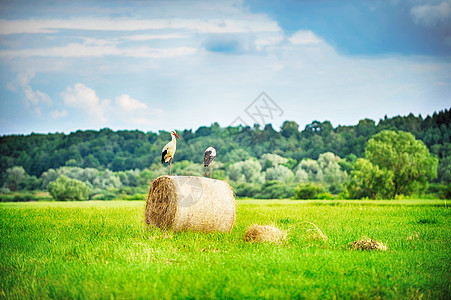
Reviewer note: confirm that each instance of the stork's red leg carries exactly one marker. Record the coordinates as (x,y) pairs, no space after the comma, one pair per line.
(170,166)
(206,171)
(211,169)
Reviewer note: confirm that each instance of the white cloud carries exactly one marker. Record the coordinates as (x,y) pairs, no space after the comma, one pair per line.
(86,99)
(129,104)
(429,14)
(90,50)
(32,97)
(58,114)
(305,37)
(148,37)
(133,113)
(268,40)
(257,24)
(125,110)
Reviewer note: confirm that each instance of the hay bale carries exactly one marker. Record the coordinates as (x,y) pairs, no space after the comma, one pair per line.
(368,244)
(190,203)
(264,233)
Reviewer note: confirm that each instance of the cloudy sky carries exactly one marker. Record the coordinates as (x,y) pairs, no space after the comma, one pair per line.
(162,65)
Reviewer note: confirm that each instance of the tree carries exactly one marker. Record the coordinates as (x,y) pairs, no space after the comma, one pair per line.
(106,180)
(280,173)
(396,163)
(66,189)
(269,160)
(444,170)
(289,128)
(15,176)
(369,181)
(332,173)
(311,167)
(301,175)
(246,171)
(48,176)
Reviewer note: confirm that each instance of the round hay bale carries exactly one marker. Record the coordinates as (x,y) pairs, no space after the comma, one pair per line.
(368,244)
(264,233)
(190,203)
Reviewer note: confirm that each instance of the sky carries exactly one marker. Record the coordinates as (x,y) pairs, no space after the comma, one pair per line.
(164,65)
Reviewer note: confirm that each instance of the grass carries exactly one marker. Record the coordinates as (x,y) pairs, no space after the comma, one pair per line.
(101,249)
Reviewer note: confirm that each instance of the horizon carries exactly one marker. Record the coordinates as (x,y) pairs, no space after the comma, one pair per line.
(224,127)
(159,65)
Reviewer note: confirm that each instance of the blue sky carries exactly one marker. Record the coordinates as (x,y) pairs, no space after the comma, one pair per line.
(163,65)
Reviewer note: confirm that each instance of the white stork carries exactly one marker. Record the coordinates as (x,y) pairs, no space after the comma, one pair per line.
(169,150)
(209,156)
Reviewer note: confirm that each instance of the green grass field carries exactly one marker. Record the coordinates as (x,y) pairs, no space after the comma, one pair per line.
(103,250)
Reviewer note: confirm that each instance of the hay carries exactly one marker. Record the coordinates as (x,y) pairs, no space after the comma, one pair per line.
(264,233)
(414,237)
(316,233)
(190,203)
(368,244)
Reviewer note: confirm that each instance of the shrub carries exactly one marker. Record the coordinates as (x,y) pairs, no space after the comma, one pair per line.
(105,196)
(325,196)
(275,189)
(136,196)
(246,189)
(307,191)
(65,189)
(445,191)
(17,197)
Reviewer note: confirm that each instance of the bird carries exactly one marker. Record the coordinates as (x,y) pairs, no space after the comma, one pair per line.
(169,150)
(209,156)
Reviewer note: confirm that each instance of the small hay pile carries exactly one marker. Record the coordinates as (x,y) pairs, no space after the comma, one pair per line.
(190,203)
(264,233)
(368,244)
(316,233)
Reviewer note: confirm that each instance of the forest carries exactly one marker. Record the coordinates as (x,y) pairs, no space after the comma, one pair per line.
(318,161)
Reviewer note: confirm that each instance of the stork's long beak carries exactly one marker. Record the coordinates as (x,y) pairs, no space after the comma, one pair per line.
(175,133)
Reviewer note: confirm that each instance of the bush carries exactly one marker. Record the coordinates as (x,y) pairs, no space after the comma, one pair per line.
(136,196)
(445,191)
(65,189)
(325,196)
(246,189)
(105,196)
(275,189)
(307,191)
(17,197)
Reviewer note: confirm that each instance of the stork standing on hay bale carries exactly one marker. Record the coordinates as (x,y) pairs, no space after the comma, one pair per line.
(209,156)
(169,150)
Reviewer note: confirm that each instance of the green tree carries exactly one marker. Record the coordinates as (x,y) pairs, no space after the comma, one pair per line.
(332,173)
(311,168)
(396,163)
(66,189)
(16,178)
(289,128)
(246,171)
(369,181)
(280,173)
(444,170)
(270,160)
(106,180)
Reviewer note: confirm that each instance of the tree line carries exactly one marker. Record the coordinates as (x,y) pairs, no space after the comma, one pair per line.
(260,162)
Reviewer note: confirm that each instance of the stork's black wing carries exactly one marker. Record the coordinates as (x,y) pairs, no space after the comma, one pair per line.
(163,154)
(208,158)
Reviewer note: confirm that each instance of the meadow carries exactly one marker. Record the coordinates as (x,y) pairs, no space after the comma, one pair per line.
(102,249)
